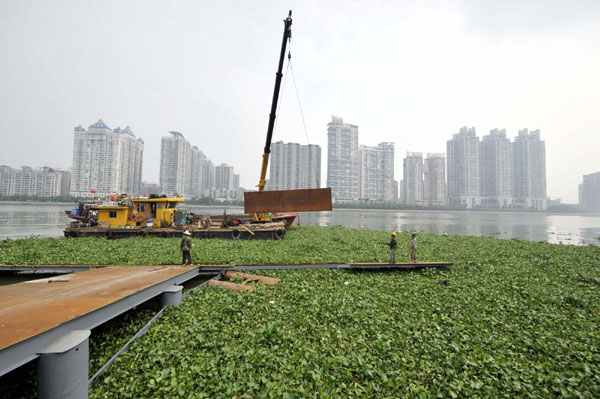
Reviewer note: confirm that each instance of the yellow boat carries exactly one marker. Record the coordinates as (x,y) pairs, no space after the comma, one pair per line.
(123,216)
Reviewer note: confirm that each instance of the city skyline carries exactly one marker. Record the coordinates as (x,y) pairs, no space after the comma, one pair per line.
(43,182)
(207,69)
(492,171)
(498,171)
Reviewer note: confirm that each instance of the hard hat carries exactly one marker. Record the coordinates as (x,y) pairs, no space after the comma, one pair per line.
(187,233)
(394,233)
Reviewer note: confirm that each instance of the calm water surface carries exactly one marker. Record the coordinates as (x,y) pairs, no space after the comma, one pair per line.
(49,220)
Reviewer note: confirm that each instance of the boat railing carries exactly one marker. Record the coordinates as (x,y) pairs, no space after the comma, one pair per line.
(109,203)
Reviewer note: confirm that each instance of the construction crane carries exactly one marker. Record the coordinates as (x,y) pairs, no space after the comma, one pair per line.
(262,203)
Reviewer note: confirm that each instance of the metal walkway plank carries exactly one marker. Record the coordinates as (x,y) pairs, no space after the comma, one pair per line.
(34,314)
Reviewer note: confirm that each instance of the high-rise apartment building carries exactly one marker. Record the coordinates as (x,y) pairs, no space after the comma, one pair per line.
(462,153)
(368,173)
(412,178)
(45,182)
(529,168)
(224,177)
(201,179)
(376,173)
(496,169)
(294,166)
(342,160)
(175,165)
(184,169)
(209,178)
(589,193)
(226,183)
(387,187)
(236,181)
(434,180)
(106,161)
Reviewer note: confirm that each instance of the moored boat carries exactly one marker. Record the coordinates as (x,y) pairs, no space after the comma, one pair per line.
(158,216)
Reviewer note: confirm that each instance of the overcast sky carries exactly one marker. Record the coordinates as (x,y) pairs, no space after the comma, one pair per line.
(408,72)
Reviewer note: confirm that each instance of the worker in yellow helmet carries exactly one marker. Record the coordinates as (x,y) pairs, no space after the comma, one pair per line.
(392,244)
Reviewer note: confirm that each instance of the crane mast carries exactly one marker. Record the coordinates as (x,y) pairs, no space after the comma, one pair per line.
(262,203)
(287,35)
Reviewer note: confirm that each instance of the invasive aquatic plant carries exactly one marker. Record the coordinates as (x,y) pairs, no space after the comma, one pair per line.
(510,319)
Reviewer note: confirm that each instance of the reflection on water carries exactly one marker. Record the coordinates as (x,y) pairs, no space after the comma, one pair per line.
(24,220)
(568,229)
(49,220)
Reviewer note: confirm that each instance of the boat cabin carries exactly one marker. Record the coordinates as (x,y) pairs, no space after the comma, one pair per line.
(138,212)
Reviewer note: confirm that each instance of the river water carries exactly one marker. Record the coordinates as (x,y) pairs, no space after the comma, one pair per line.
(49,220)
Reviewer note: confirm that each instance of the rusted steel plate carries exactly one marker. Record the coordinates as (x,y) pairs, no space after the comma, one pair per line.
(33,307)
(313,199)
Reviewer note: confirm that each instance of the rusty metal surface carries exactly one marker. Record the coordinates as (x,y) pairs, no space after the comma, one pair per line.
(314,199)
(33,307)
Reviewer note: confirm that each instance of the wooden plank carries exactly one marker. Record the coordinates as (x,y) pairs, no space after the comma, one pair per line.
(252,277)
(231,286)
(33,307)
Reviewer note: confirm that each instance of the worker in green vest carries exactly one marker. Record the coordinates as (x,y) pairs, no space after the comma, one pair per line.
(186,248)
(392,244)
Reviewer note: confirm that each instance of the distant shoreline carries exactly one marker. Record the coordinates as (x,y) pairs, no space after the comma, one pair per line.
(471,211)
(35,203)
(73,204)
(344,208)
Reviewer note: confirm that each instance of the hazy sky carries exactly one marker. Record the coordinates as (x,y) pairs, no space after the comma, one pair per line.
(408,72)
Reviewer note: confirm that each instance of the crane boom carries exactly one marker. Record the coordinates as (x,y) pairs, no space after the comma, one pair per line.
(262,203)
(287,35)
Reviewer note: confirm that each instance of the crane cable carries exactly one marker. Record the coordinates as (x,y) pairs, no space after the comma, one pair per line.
(317,180)
(290,67)
(298,97)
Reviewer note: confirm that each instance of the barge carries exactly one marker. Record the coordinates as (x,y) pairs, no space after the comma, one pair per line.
(158,216)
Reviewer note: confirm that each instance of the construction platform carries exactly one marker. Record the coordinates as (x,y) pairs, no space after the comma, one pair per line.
(34,314)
